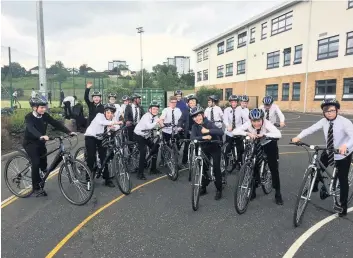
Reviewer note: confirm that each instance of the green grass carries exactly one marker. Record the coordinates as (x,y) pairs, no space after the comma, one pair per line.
(24,104)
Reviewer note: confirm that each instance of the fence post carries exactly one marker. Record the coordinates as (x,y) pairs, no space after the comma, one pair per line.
(10,73)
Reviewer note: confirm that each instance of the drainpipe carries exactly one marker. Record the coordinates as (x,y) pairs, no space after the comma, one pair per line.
(307,57)
(247,59)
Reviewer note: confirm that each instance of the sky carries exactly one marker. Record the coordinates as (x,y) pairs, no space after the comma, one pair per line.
(93,33)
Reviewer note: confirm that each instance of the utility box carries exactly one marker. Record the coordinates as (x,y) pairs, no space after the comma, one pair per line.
(148,95)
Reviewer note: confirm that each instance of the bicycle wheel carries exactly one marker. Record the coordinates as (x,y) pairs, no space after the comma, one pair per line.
(266,179)
(223,169)
(350,185)
(191,159)
(81,154)
(243,188)
(122,175)
(169,158)
(196,184)
(303,196)
(18,175)
(227,157)
(80,181)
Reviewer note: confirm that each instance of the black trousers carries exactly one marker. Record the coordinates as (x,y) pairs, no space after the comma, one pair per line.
(67,109)
(143,144)
(214,151)
(92,145)
(186,148)
(35,152)
(49,99)
(238,143)
(342,166)
(130,132)
(271,150)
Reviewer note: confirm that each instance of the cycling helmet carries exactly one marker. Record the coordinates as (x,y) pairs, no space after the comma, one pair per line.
(330,102)
(256,114)
(233,98)
(244,98)
(178,92)
(125,97)
(267,100)
(112,95)
(96,93)
(110,107)
(154,104)
(196,110)
(135,96)
(37,101)
(214,98)
(190,97)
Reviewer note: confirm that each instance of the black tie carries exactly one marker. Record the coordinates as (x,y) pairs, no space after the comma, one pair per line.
(105,136)
(268,114)
(173,118)
(259,150)
(212,117)
(135,119)
(233,122)
(330,144)
(151,135)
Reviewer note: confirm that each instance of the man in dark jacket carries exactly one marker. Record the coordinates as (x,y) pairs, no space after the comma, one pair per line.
(203,129)
(133,114)
(94,106)
(180,102)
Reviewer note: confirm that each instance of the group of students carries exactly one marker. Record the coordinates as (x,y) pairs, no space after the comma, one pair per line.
(195,123)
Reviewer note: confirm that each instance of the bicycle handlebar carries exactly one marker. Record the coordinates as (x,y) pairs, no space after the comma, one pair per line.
(153,129)
(60,137)
(315,147)
(207,141)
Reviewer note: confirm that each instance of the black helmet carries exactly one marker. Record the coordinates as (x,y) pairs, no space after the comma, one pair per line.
(244,98)
(267,100)
(135,96)
(233,98)
(110,107)
(178,92)
(190,97)
(256,114)
(125,97)
(37,101)
(112,95)
(154,104)
(214,98)
(196,110)
(96,93)
(330,102)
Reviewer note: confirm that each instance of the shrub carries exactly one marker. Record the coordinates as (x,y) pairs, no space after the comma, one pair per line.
(17,121)
(5,133)
(203,93)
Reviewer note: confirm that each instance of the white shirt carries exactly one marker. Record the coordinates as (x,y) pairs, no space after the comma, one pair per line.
(274,112)
(228,119)
(167,117)
(71,99)
(267,129)
(14,94)
(217,115)
(33,94)
(243,116)
(122,109)
(145,124)
(117,112)
(133,113)
(98,123)
(342,133)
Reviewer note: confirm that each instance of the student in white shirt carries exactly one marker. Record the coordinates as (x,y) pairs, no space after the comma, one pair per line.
(341,129)
(69,102)
(100,124)
(243,110)
(272,111)
(213,112)
(148,121)
(15,99)
(112,100)
(170,115)
(33,94)
(126,101)
(259,127)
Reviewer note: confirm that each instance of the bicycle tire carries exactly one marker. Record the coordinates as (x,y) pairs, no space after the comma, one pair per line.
(227,160)
(246,172)
(120,170)
(307,178)
(25,192)
(191,158)
(195,186)
(350,185)
(79,152)
(266,185)
(88,173)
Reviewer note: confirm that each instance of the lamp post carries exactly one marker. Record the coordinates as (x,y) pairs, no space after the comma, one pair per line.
(140,31)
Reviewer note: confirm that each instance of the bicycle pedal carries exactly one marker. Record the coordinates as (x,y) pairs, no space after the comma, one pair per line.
(337,208)
(323,193)
(41,193)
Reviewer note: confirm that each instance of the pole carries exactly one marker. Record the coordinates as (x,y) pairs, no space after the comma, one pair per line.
(140,31)
(10,79)
(73,80)
(307,59)
(41,50)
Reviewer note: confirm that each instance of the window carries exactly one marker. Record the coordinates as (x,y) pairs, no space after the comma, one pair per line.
(199,76)
(282,23)
(252,35)
(350,4)
(296,91)
(241,67)
(220,71)
(205,54)
(349,47)
(286,56)
(230,44)
(298,54)
(205,75)
(229,69)
(347,89)
(273,60)
(325,89)
(220,48)
(199,56)
(285,91)
(328,48)
(242,39)
(229,92)
(220,94)
(264,30)
(272,90)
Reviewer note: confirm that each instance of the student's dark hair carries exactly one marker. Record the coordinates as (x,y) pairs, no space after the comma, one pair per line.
(75,97)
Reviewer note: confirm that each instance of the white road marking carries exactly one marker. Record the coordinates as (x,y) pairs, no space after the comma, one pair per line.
(300,241)
(295,118)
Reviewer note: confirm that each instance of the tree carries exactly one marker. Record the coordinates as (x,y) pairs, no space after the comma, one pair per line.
(188,79)
(147,79)
(83,69)
(17,70)
(116,70)
(203,93)
(166,77)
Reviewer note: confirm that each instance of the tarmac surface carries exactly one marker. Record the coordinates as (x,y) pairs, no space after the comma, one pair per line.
(157,220)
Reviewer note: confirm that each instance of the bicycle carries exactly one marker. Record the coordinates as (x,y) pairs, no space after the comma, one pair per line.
(328,189)
(231,156)
(199,159)
(246,178)
(74,170)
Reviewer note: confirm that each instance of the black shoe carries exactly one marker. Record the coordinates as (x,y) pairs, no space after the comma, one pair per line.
(203,191)
(218,195)
(40,192)
(343,213)
(253,194)
(141,177)
(109,183)
(155,171)
(278,199)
